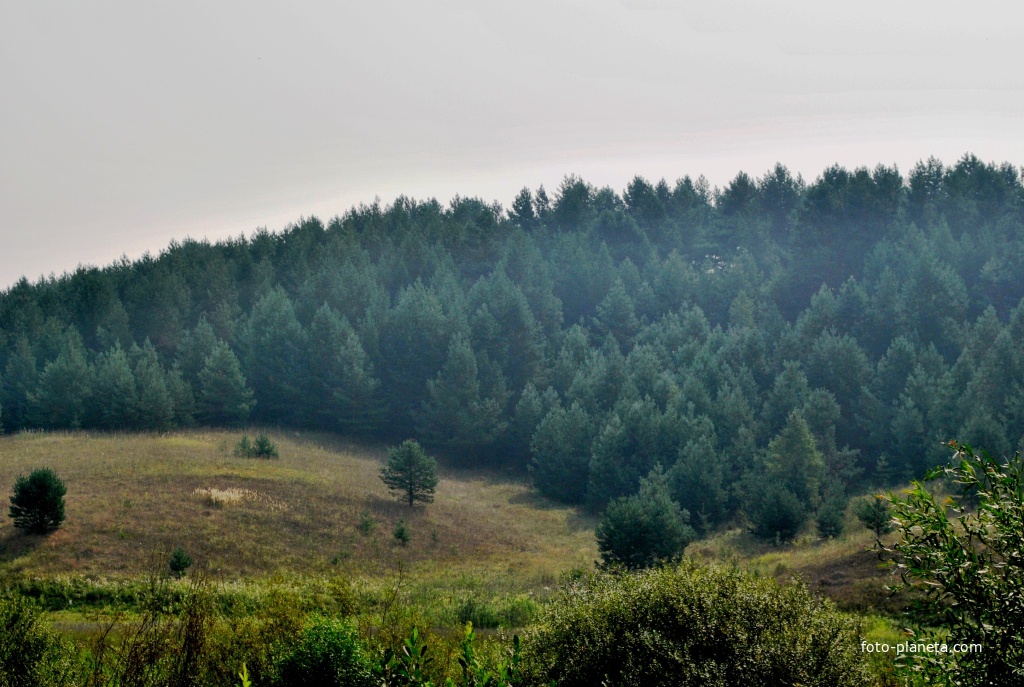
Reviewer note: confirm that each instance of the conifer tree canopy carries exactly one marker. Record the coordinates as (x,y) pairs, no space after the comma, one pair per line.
(37,505)
(410,474)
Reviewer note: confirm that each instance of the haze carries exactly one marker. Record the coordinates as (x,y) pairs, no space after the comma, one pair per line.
(127,124)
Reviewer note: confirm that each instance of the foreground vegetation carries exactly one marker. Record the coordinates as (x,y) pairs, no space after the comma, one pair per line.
(501,558)
(672,626)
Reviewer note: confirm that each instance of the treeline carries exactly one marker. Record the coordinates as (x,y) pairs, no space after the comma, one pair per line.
(770,340)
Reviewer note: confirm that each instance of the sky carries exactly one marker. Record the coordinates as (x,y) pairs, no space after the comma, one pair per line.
(124,125)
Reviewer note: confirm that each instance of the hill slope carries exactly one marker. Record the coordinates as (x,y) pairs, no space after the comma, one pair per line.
(133,498)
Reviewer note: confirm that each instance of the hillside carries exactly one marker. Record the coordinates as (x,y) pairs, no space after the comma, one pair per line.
(133,498)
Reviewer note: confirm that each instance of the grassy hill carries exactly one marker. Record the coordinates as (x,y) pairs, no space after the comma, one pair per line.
(132,498)
(320,511)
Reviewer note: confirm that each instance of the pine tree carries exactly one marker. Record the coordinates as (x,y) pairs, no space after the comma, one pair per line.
(274,344)
(638,531)
(155,405)
(796,463)
(410,474)
(697,482)
(114,396)
(19,384)
(455,412)
(345,390)
(561,454)
(224,397)
(37,505)
(64,390)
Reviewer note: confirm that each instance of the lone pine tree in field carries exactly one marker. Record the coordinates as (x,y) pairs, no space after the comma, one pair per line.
(38,502)
(410,473)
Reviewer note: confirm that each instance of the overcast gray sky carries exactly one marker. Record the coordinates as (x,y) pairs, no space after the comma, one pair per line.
(125,124)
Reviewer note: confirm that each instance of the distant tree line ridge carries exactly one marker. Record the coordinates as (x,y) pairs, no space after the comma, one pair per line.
(768,342)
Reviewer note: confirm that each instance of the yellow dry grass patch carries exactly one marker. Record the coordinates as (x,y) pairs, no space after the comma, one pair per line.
(132,498)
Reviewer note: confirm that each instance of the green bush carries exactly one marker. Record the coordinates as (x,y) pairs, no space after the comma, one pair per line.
(37,505)
(31,654)
(328,654)
(965,553)
(262,447)
(690,625)
(179,562)
(401,532)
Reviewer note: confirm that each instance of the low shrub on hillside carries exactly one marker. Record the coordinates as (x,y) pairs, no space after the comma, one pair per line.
(690,625)
(262,447)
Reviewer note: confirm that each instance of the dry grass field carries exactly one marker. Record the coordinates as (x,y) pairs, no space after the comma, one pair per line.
(318,509)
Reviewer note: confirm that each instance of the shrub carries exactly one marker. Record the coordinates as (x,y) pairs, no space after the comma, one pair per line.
(31,654)
(244,448)
(401,532)
(37,505)
(873,512)
(690,625)
(328,653)
(965,553)
(179,562)
(831,515)
(263,447)
(366,523)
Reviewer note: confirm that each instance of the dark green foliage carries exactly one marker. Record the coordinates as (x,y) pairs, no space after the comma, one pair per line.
(410,474)
(456,411)
(37,505)
(873,512)
(275,345)
(31,654)
(776,513)
(831,515)
(179,562)
(345,390)
(691,625)
(328,653)
(262,447)
(636,437)
(640,530)
(244,448)
(401,532)
(224,398)
(64,390)
(796,463)
(561,454)
(964,552)
(697,483)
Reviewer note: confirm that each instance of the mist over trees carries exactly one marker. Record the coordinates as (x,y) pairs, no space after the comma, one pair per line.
(771,342)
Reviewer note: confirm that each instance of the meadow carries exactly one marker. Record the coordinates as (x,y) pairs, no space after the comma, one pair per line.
(312,531)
